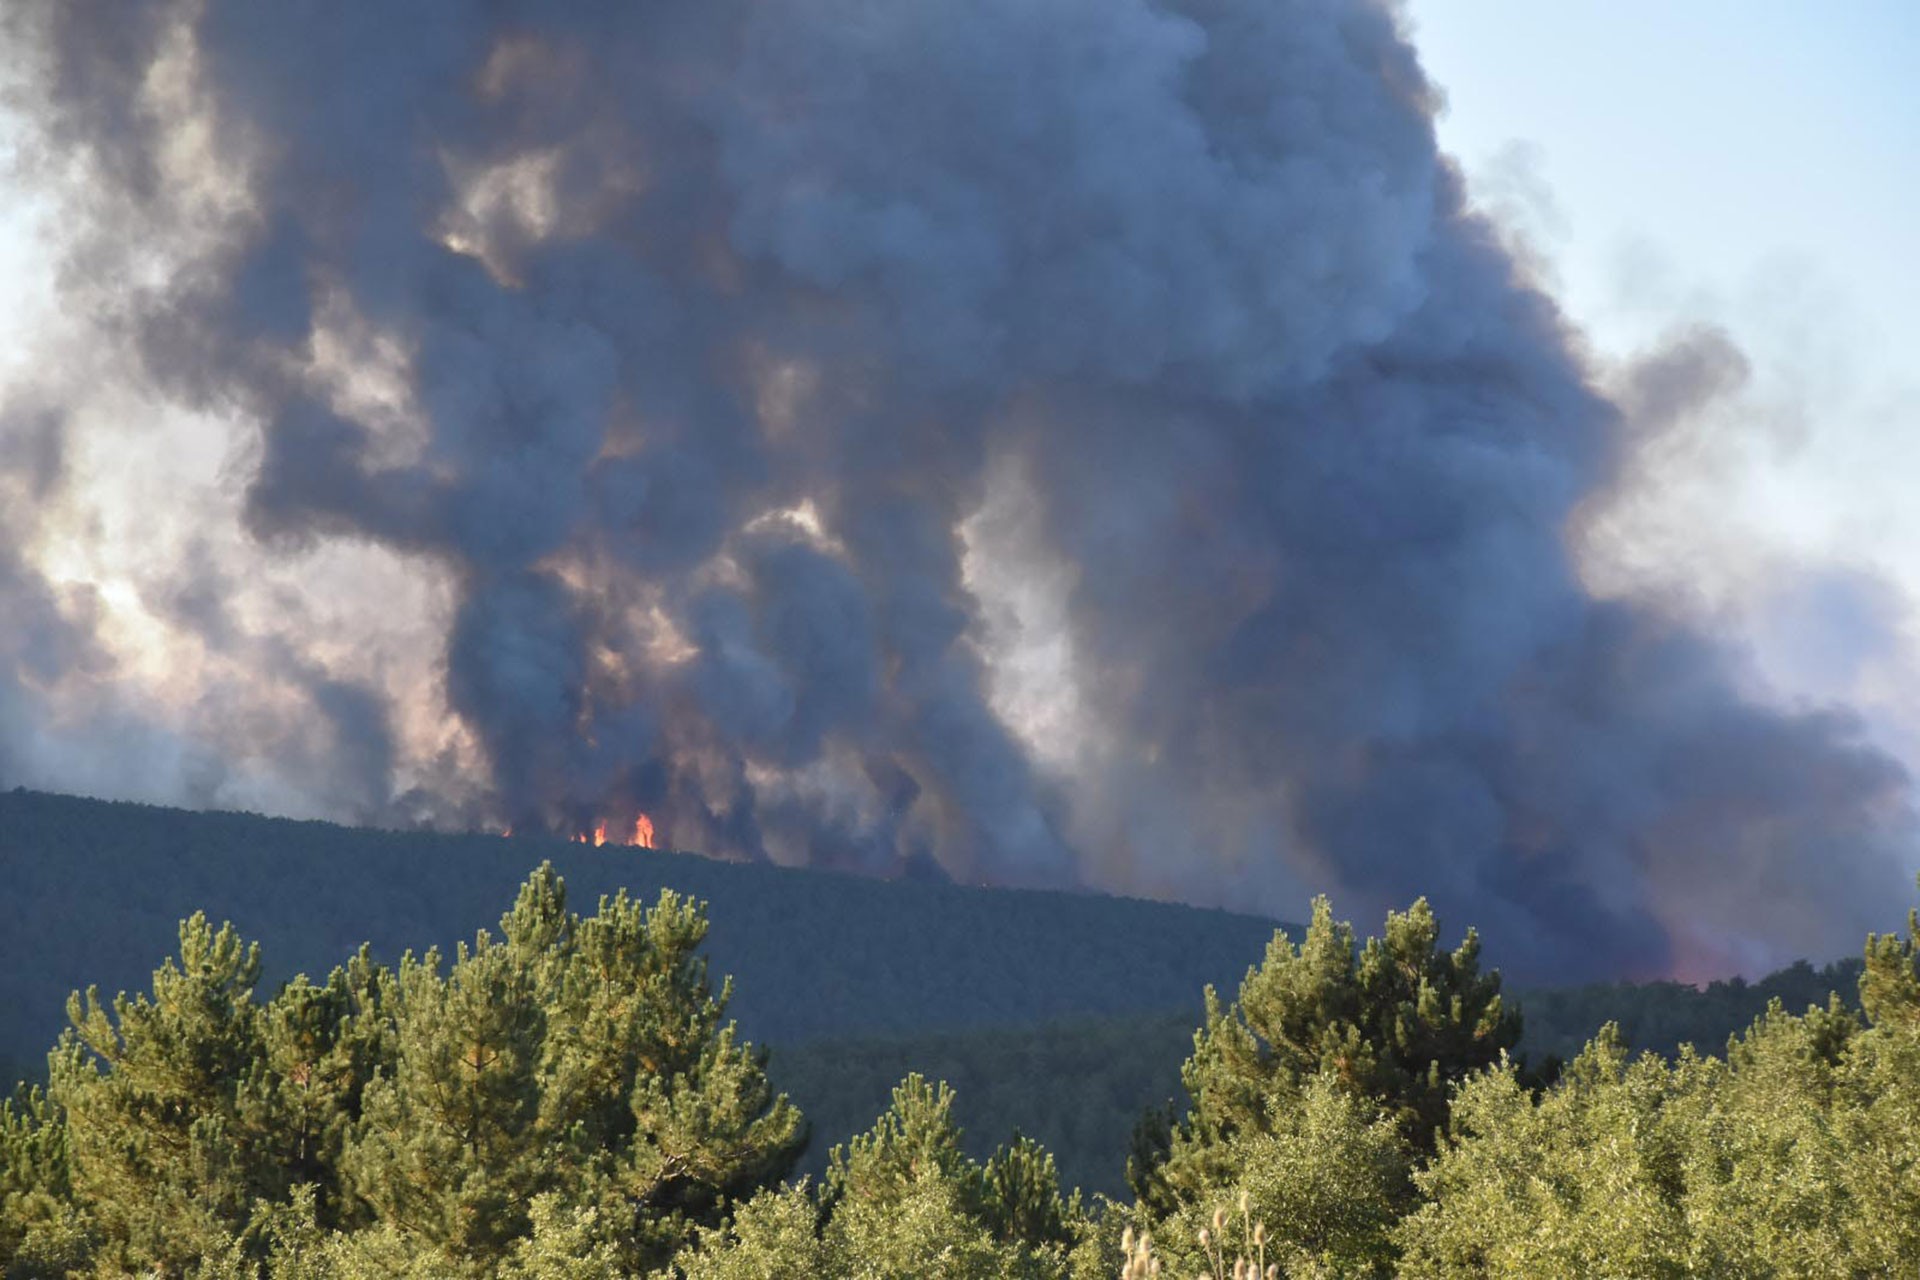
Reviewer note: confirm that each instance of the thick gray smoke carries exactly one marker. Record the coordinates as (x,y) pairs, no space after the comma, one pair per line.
(1078,442)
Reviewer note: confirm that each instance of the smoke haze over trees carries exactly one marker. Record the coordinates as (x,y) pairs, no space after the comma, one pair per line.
(1088,445)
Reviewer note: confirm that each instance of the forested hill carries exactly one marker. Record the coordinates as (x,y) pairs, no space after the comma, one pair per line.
(94,892)
(1061,1015)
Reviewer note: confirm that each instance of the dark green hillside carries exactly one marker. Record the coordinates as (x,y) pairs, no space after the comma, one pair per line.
(1058,1014)
(1077,1087)
(1661,1016)
(94,892)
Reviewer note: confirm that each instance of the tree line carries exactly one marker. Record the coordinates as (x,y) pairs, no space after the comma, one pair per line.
(565,1099)
(815,955)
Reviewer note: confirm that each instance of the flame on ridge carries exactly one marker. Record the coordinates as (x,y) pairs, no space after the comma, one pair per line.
(642,837)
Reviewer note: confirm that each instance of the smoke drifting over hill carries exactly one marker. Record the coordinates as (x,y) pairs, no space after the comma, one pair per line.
(1087,442)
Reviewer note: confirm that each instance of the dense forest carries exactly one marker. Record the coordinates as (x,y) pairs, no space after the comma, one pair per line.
(566,1096)
(1076,1086)
(1063,1016)
(815,955)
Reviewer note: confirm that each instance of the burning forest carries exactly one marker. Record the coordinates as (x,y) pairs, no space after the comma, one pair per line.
(1093,445)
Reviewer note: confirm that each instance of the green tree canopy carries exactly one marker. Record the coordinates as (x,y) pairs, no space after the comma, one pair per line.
(570,1080)
(586,1060)
(903,1201)
(1792,1156)
(1396,1024)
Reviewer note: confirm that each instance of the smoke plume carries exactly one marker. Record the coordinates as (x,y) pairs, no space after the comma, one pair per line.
(1082,443)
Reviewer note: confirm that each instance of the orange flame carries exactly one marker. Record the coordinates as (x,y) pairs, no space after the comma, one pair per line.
(642,834)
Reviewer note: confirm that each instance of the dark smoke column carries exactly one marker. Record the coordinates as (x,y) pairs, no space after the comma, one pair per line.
(750,355)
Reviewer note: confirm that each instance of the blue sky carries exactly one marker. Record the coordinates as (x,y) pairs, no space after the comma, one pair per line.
(1694,151)
(1754,166)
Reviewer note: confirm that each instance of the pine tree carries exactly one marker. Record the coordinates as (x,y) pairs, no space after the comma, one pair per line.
(169,1110)
(904,1201)
(41,1232)
(1398,1021)
(1879,1127)
(700,1124)
(1020,1196)
(1890,983)
(584,1061)
(448,1150)
(914,1138)
(1326,1042)
(568,1092)
(323,1045)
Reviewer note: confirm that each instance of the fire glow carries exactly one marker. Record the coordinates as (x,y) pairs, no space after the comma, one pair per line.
(642,837)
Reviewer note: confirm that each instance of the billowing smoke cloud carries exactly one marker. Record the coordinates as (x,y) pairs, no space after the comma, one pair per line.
(1083,443)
